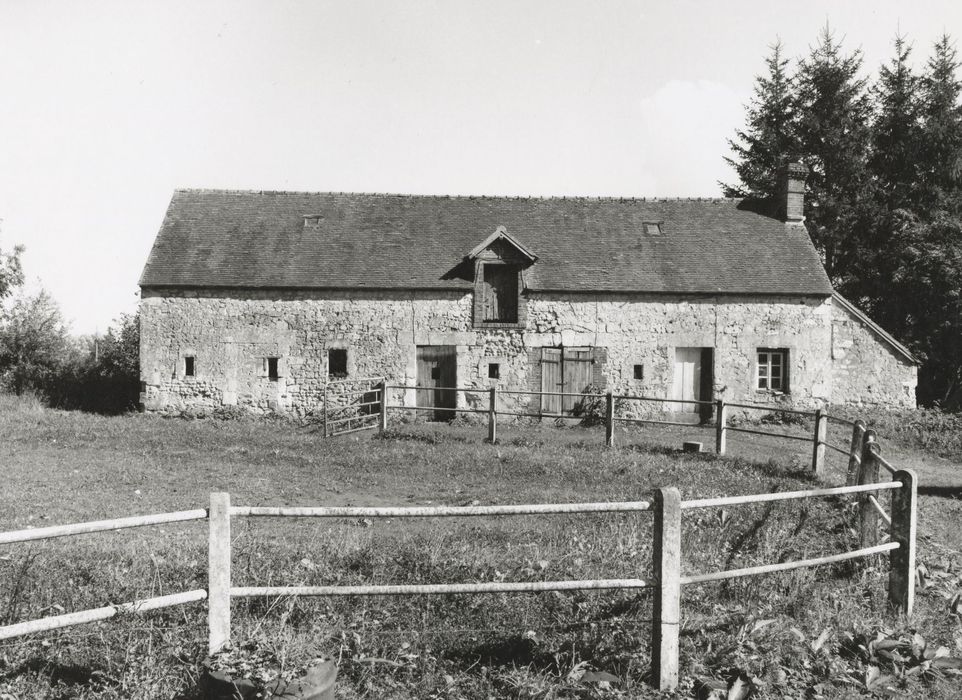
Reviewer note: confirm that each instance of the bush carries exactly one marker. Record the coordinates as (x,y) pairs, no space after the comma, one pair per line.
(100,375)
(592,409)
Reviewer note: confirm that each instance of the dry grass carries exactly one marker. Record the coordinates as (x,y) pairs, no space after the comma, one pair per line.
(65,467)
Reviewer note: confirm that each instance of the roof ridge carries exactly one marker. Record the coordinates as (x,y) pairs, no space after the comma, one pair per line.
(547,198)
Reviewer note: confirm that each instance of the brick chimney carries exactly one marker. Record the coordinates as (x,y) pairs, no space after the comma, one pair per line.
(792,200)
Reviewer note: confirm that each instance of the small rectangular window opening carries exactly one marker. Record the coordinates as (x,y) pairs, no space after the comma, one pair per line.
(652,228)
(189,366)
(494,370)
(639,371)
(272,369)
(337,363)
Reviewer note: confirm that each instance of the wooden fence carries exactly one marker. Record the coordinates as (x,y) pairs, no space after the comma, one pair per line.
(665,582)
(721,409)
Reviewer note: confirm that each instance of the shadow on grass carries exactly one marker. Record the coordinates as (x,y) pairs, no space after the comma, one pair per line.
(515,650)
(954,492)
(58,673)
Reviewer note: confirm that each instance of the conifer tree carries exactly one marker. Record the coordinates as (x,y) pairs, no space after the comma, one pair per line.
(833,114)
(941,132)
(895,131)
(768,138)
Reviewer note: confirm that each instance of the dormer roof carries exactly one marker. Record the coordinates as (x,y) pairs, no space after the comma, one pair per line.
(501,234)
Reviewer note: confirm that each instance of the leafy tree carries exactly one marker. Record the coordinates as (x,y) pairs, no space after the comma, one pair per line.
(768,139)
(11,272)
(33,342)
(119,352)
(833,113)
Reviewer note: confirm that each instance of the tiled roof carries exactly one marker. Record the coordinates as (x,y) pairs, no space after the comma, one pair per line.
(212,238)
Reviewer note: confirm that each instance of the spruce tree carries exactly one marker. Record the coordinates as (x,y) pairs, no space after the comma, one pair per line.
(767,140)
(833,114)
(895,131)
(941,132)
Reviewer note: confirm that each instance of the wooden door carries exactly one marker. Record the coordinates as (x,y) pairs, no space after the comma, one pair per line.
(551,379)
(567,371)
(576,371)
(687,379)
(437,371)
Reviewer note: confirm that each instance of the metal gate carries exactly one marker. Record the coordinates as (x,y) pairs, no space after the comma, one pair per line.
(351,405)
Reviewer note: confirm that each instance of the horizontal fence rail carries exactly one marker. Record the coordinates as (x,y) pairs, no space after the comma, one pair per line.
(54,622)
(751,431)
(786,495)
(654,399)
(436,511)
(441,588)
(354,380)
(46,533)
(773,409)
(789,565)
(462,389)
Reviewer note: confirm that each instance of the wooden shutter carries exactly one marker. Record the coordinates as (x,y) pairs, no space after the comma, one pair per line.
(500,291)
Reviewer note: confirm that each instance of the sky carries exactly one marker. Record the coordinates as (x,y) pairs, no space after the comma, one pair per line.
(107,107)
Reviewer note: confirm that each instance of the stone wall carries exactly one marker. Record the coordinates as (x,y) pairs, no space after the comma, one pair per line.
(231,333)
(868,371)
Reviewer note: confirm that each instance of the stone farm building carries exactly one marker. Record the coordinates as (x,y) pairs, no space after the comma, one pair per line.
(257,299)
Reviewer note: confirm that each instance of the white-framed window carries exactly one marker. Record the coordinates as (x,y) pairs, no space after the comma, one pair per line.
(772,371)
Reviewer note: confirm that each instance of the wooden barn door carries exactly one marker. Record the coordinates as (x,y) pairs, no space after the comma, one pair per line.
(576,368)
(437,370)
(565,370)
(551,379)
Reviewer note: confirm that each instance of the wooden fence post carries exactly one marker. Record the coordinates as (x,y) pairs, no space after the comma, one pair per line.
(609,420)
(721,427)
(855,452)
(902,560)
(493,415)
(218,573)
(868,474)
(666,568)
(382,423)
(818,442)
(324,414)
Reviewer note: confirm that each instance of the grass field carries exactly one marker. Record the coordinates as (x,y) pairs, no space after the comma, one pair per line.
(796,634)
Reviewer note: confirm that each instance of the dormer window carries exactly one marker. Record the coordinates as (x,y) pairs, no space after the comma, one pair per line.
(652,228)
(500,293)
(498,263)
